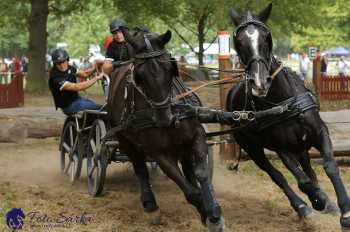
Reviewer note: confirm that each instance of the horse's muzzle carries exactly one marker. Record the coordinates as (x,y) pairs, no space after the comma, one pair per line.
(260,88)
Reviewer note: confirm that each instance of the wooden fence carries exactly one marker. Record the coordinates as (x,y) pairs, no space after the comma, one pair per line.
(329,87)
(334,88)
(11,89)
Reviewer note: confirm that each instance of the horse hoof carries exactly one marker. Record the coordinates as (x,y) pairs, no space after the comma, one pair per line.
(154,217)
(304,212)
(345,221)
(218,226)
(331,208)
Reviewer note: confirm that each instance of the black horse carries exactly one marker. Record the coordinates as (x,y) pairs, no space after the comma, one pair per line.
(290,134)
(142,102)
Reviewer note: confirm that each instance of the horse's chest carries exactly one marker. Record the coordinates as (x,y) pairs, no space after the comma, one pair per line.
(289,136)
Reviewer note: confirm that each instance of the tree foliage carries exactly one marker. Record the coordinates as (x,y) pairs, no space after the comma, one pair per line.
(332,30)
(295,24)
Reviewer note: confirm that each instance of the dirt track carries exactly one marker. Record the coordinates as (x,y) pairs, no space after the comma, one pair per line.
(30,179)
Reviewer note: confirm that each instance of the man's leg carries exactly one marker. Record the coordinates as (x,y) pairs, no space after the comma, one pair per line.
(87,104)
(81,104)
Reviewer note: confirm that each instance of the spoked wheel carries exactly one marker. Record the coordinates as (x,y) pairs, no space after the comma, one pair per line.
(71,159)
(97,160)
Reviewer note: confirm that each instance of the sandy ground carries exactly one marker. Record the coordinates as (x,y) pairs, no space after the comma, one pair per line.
(30,179)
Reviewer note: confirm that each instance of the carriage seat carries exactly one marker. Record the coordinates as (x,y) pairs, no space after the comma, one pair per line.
(96,112)
(81,114)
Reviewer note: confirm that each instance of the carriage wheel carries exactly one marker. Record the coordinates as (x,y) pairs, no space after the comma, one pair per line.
(210,162)
(71,159)
(96,159)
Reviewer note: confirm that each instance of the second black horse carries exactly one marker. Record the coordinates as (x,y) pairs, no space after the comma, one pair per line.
(290,134)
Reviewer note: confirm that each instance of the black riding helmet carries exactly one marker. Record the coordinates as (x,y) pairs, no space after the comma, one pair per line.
(117,25)
(59,55)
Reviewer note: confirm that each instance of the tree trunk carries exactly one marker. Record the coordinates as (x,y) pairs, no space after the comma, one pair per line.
(200,30)
(37,79)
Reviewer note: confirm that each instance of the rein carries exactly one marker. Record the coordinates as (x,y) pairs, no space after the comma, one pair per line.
(222,81)
(277,71)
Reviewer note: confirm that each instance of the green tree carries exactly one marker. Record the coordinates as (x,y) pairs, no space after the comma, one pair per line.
(79,30)
(196,22)
(13,30)
(34,14)
(332,30)
(190,20)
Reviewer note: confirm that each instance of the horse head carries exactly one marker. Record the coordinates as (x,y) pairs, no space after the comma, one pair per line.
(153,71)
(253,43)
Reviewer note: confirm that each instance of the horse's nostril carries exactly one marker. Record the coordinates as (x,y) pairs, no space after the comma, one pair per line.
(269,79)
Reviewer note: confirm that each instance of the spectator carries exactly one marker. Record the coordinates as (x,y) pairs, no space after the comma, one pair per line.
(3,70)
(182,60)
(24,63)
(342,66)
(324,64)
(12,65)
(304,66)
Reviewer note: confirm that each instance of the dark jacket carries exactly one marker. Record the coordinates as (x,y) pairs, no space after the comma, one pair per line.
(120,51)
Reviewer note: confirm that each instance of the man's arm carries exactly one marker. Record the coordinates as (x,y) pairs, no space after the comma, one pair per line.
(69,86)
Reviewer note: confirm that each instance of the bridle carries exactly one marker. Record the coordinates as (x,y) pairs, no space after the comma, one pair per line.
(255,58)
(152,54)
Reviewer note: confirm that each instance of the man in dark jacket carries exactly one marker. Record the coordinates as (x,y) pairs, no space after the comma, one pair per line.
(118,50)
(64,87)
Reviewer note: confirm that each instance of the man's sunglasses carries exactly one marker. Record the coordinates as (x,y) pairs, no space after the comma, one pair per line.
(61,62)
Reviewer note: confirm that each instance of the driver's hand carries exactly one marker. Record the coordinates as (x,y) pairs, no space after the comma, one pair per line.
(99,61)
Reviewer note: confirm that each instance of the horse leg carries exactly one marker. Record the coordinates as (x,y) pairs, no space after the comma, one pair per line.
(321,201)
(259,158)
(215,221)
(318,198)
(147,197)
(172,170)
(187,169)
(324,145)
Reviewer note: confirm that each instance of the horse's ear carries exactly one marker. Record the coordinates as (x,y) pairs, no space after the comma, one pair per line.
(236,19)
(165,38)
(265,14)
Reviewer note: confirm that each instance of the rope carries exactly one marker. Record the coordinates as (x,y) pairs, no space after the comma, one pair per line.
(277,71)
(222,81)
(191,77)
(216,69)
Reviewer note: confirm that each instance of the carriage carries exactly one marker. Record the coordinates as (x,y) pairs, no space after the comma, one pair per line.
(84,136)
